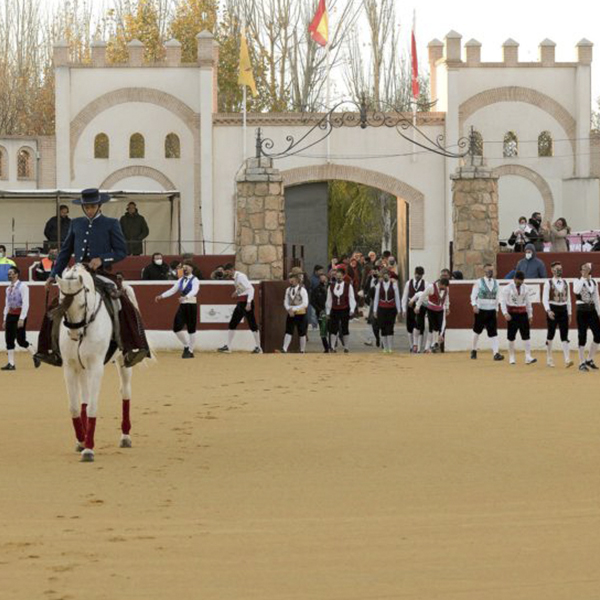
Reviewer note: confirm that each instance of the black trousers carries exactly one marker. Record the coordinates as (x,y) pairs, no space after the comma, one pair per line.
(415,321)
(240,313)
(186,317)
(486,319)
(299,322)
(519,322)
(561,320)
(338,322)
(13,333)
(436,320)
(386,318)
(588,319)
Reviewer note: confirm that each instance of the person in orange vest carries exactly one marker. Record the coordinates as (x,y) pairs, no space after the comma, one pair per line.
(44,267)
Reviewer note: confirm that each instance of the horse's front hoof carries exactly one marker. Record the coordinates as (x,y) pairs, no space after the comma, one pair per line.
(79,447)
(125,441)
(87,455)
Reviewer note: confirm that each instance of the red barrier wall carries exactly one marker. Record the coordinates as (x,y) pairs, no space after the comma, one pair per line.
(571,261)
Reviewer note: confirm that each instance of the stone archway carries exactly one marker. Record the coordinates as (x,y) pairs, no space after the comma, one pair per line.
(540,183)
(381,181)
(138,171)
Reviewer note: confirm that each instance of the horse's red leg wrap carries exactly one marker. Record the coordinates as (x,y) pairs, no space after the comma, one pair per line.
(125,423)
(84,417)
(79,430)
(89,434)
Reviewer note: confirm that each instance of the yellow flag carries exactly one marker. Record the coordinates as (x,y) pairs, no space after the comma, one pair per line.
(246,76)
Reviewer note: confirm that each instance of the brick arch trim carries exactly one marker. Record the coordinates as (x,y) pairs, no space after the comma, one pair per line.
(537,180)
(386,183)
(520,94)
(137,171)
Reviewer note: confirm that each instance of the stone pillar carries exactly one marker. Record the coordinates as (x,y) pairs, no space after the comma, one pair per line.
(260,224)
(475,217)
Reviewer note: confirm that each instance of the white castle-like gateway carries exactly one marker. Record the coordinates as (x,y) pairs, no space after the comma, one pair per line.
(155,127)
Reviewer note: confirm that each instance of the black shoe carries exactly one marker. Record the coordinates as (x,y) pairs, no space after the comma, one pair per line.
(346,351)
(225,349)
(473,354)
(257,350)
(592,365)
(583,367)
(187,353)
(498,356)
(36,361)
(9,367)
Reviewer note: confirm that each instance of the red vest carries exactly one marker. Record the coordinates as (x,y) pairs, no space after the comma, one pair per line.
(387,299)
(437,299)
(340,302)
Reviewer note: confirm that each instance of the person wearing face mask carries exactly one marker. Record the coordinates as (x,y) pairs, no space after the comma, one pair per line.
(520,236)
(415,324)
(186,317)
(436,300)
(518,312)
(341,303)
(386,307)
(556,298)
(5,264)
(557,234)
(295,303)
(536,235)
(531,265)
(587,303)
(14,320)
(484,300)
(157,270)
(44,267)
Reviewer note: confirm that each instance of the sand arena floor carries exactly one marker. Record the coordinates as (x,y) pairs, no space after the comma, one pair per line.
(358,477)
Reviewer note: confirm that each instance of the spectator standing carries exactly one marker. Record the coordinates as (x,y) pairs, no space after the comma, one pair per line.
(51,228)
(531,265)
(313,318)
(520,236)
(536,236)
(557,234)
(135,229)
(157,270)
(5,264)
(44,267)
(318,301)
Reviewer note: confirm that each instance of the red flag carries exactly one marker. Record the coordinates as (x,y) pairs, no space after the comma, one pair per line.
(415,63)
(319,30)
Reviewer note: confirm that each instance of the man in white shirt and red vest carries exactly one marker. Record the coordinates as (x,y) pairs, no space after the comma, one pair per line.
(386,307)
(295,303)
(415,324)
(14,320)
(518,312)
(556,298)
(436,300)
(587,303)
(341,303)
(244,309)
(484,300)
(186,317)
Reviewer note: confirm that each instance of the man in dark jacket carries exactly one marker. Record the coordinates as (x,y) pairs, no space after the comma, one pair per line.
(51,228)
(531,265)
(318,300)
(536,237)
(135,229)
(157,270)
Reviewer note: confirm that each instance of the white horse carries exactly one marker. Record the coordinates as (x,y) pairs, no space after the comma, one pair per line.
(85,335)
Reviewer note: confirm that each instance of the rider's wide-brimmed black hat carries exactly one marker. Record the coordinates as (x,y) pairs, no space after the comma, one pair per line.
(91,196)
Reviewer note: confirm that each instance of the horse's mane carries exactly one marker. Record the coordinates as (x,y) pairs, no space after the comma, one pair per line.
(65,303)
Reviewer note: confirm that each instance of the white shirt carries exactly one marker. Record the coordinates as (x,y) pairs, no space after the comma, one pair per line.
(583,285)
(484,303)
(518,298)
(338,290)
(429,291)
(558,284)
(243,287)
(405,298)
(290,295)
(24,290)
(180,285)
(386,287)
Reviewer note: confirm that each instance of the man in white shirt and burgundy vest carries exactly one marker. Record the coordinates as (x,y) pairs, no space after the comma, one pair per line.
(186,317)
(484,300)
(556,298)
(587,303)
(415,324)
(295,303)
(14,320)
(386,307)
(341,303)
(518,312)
(436,300)
(244,309)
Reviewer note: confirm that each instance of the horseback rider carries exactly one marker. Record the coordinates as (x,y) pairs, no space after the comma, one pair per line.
(98,242)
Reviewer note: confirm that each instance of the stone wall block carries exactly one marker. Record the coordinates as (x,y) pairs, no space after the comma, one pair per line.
(257,221)
(246,236)
(262,237)
(271,220)
(262,189)
(275,189)
(249,254)
(255,204)
(260,272)
(267,254)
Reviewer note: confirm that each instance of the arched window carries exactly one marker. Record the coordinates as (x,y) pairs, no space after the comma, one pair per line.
(24,164)
(137,146)
(511,145)
(172,146)
(545,144)
(101,146)
(477,143)
(3,163)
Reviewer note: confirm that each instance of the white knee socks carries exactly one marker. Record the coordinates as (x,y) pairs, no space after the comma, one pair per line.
(511,351)
(566,353)
(302,343)
(549,351)
(475,340)
(527,344)
(230,335)
(287,340)
(581,351)
(495,345)
(192,341)
(183,338)
(256,335)
(11,357)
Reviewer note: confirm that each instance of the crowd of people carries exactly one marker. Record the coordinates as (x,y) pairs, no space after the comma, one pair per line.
(534,232)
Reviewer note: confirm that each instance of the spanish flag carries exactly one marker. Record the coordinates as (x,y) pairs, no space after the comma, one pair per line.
(246,76)
(318,28)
